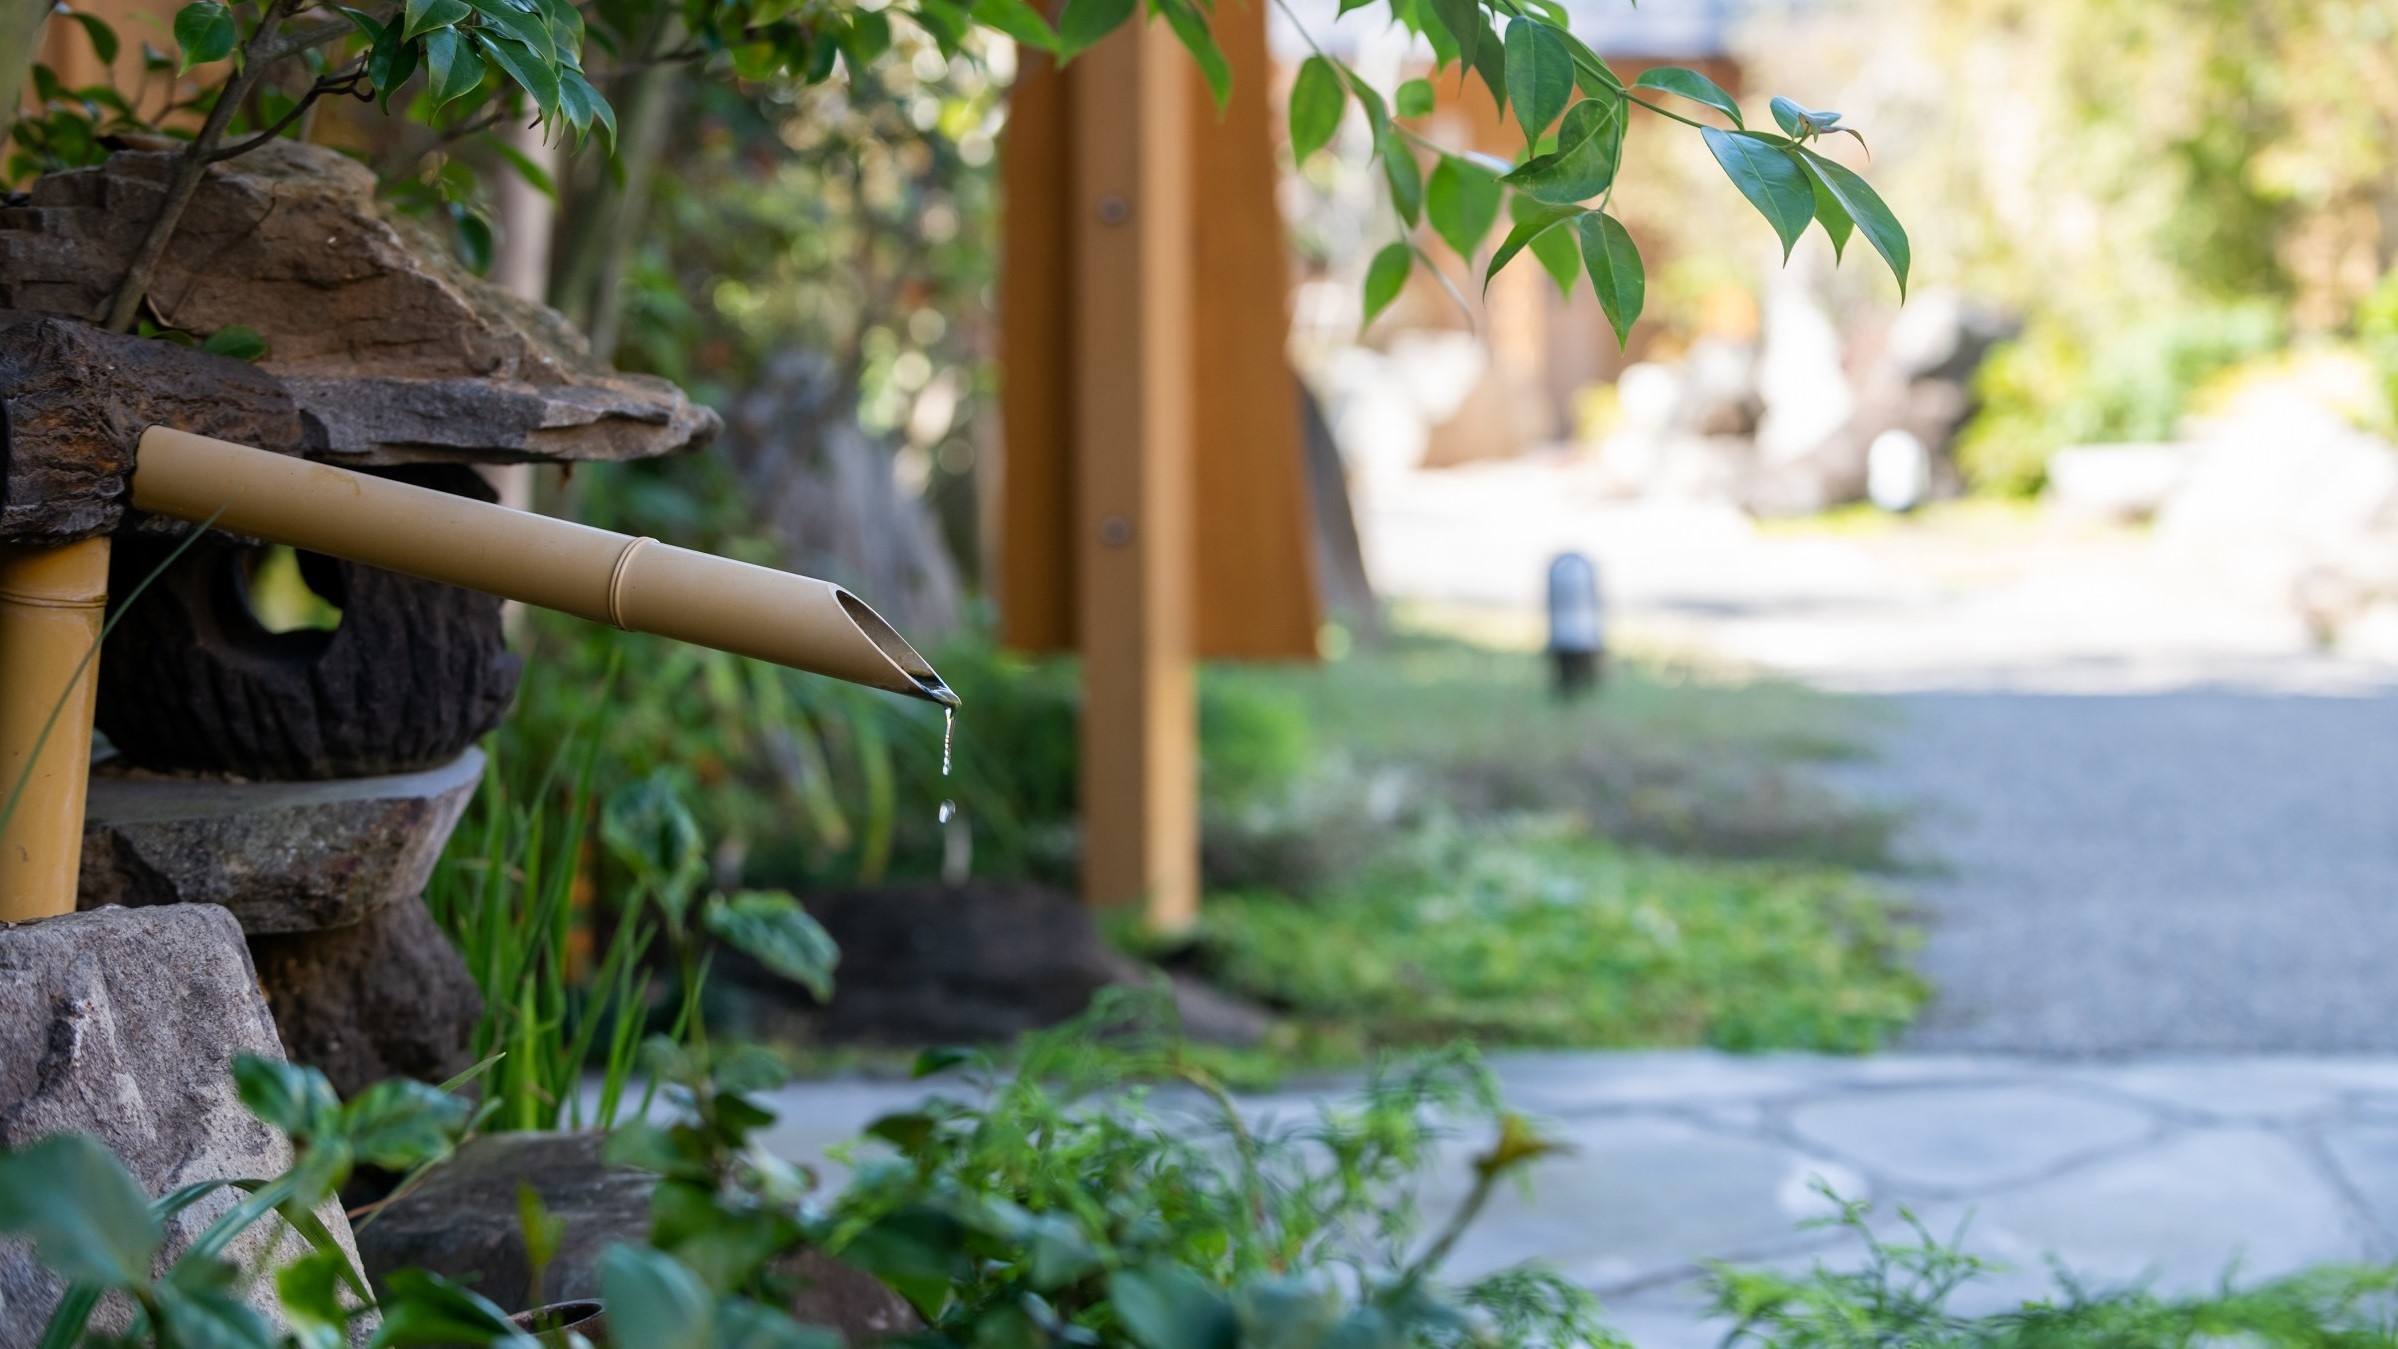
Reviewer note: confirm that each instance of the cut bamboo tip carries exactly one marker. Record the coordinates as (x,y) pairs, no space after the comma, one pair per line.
(637,584)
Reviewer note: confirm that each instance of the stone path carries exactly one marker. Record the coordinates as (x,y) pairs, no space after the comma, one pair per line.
(2164,1170)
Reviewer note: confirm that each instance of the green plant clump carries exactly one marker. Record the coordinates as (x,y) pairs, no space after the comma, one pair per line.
(1904,1293)
(1052,1207)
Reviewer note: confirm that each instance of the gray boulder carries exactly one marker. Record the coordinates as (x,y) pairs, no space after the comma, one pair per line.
(123,1024)
(385,997)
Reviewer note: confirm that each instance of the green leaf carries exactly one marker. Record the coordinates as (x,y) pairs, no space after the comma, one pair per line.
(917,1250)
(1318,97)
(1540,76)
(1771,180)
(1190,25)
(400,1123)
(1413,99)
(103,38)
(1462,201)
(204,31)
(75,1201)
(1691,85)
(1490,62)
(1087,21)
(1560,258)
(1615,271)
(743,1324)
(310,1290)
(237,341)
(1018,20)
(1832,216)
(1406,177)
(653,1301)
(532,74)
(1533,220)
(1865,207)
(1463,19)
(941,1058)
(1385,276)
(1167,1306)
(582,105)
(389,65)
(290,1097)
(424,15)
(421,1308)
(646,826)
(1584,162)
(773,929)
(454,70)
(474,238)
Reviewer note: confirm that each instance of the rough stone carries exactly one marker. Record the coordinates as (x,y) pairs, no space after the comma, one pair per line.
(123,1024)
(381,349)
(283,856)
(977,963)
(463,1222)
(78,400)
(388,996)
(191,682)
(1947,1140)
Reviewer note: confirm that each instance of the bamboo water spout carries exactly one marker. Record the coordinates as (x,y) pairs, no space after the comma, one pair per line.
(637,584)
(51,602)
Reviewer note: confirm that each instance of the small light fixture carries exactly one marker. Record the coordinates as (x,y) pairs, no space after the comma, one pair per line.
(1577,625)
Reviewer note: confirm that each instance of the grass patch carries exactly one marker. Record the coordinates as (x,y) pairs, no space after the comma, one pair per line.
(1534,934)
(1670,756)
(1465,857)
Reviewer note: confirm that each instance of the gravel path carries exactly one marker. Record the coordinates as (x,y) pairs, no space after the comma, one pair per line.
(2163,821)
(2185,871)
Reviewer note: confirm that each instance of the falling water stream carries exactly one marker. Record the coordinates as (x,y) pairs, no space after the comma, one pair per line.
(949,728)
(957,838)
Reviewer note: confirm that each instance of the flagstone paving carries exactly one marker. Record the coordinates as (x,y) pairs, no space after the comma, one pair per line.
(2168,1170)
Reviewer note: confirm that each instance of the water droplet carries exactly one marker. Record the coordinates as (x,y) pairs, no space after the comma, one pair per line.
(949,811)
(949,726)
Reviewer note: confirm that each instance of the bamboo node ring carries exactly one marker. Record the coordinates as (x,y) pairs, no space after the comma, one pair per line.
(616,575)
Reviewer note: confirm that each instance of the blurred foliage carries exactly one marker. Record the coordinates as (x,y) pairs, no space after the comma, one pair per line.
(856,219)
(2126,175)
(2053,388)
(2377,333)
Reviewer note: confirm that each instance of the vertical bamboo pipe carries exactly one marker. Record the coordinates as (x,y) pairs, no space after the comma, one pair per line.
(52,603)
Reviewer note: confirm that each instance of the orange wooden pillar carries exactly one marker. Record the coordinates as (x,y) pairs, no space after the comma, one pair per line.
(1153,506)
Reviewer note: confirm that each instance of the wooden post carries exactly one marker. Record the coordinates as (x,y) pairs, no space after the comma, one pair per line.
(1132,404)
(1142,526)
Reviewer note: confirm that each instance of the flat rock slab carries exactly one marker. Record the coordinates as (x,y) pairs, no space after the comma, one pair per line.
(464,1222)
(123,1024)
(1968,1138)
(282,856)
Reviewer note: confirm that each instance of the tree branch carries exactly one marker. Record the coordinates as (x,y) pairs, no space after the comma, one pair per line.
(331,84)
(255,59)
